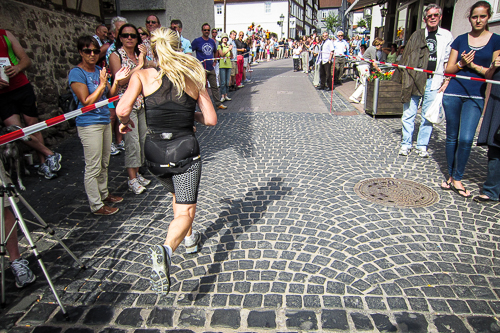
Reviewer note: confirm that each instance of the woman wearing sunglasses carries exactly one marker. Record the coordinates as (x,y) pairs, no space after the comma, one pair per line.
(171,92)
(144,33)
(131,53)
(89,84)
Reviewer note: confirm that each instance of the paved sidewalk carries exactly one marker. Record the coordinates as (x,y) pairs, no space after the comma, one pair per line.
(287,243)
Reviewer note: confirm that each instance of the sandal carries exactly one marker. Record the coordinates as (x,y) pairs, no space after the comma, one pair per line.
(460,191)
(482,199)
(446,188)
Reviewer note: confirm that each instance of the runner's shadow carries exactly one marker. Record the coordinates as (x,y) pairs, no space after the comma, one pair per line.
(234,241)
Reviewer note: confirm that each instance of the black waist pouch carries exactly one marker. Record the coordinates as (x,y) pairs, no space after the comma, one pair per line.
(170,156)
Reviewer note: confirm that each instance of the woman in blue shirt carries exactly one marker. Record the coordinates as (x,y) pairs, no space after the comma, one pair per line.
(463,100)
(89,85)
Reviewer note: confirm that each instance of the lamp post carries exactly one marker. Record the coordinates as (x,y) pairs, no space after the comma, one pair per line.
(280,23)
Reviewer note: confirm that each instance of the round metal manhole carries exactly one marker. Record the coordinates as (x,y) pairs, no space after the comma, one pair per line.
(396,192)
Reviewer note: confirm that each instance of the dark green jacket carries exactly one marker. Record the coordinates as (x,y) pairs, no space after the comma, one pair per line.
(416,54)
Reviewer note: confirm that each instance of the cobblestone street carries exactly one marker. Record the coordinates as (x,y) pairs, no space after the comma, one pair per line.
(287,245)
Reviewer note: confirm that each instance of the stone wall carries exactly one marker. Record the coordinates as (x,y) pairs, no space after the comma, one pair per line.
(49,38)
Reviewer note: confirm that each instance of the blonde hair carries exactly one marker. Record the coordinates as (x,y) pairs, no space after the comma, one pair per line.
(173,63)
(378,41)
(144,30)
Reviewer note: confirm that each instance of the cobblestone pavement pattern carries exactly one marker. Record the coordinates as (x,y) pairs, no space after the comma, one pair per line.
(287,244)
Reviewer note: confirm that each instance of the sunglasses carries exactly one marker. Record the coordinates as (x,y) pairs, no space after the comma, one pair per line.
(90,51)
(206,29)
(143,34)
(433,15)
(151,22)
(133,36)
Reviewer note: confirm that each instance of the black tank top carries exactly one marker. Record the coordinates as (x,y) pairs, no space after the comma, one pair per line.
(165,112)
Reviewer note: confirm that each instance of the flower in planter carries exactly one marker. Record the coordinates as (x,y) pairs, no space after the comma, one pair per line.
(385,76)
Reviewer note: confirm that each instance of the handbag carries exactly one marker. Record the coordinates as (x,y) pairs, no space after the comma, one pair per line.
(435,112)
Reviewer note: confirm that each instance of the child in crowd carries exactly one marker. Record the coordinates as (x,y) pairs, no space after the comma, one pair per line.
(296,57)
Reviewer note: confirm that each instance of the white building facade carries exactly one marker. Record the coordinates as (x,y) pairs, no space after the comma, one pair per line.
(241,15)
(298,16)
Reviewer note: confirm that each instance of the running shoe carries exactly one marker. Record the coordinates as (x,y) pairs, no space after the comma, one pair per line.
(160,269)
(53,161)
(114,150)
(121,145)
(22,272)
(143,181)
(44,170)
(228,99)
(192,242)
(135,186)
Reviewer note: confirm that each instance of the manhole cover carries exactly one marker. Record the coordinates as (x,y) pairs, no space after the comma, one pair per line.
(396,192)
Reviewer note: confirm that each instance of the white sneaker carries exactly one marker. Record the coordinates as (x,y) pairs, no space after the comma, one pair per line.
(222,100)
(228,99)
(143,181)
(404,151)
(114,150)
(354,100)
(135,186)
(192,242)
(422,153)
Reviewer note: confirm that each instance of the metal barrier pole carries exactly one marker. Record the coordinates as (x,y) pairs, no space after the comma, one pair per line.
(375,97)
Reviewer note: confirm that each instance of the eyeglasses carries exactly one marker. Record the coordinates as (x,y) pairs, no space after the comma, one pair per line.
(151,22)
(133,36)
(206,29)
(90,51)
(433,15)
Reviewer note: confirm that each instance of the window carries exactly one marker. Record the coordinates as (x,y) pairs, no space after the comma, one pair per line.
(496,10)
(267,6)
(219,9)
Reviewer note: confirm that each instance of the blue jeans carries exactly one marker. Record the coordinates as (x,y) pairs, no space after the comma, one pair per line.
(408,119)
(491,186)
(224,76)
(462,116)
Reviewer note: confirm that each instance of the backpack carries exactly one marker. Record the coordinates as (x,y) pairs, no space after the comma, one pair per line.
(66,101)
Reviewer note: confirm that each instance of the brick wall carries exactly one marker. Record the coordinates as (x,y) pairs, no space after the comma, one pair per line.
(48,35)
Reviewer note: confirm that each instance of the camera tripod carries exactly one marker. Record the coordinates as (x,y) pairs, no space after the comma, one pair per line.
(9,190)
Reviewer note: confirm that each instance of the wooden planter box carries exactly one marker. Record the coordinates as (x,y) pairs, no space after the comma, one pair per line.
(389,99)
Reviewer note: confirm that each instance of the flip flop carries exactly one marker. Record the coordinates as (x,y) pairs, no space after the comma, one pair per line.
(446,188)
(481,199)
(460,191)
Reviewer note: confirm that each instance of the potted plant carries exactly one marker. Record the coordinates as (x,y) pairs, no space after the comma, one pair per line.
(387,98)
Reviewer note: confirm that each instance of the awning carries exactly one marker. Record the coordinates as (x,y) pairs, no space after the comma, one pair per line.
(360,4)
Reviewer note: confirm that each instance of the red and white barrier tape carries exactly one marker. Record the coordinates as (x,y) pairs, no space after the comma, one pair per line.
(427,71)
(12,136)
(223,57)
